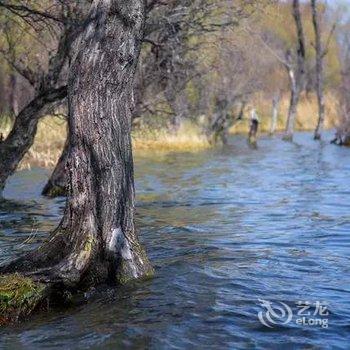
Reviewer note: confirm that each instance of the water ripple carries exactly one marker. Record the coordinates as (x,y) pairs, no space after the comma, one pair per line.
(224,229)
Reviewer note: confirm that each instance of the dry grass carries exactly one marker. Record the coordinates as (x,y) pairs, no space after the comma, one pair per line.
(51,137)
(188,139)
(48,143)
(51,133)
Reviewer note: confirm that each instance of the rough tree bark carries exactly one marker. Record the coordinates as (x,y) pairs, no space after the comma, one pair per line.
(96,241)
(21,137)
(296,74)
(319,71)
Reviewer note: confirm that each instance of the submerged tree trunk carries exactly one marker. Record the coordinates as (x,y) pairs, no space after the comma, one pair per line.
(293,105)
(96,241)
(296,74)
(342,136)
(274,114)
(22,135)
(253,129)
(319,71)
(57,183)
(219,123)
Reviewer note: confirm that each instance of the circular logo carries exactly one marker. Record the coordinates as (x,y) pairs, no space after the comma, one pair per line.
(275,313)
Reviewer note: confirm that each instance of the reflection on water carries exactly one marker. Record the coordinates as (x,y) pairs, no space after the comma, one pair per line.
(223,229)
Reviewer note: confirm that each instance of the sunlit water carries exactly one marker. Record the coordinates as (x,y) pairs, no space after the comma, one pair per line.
(223,229)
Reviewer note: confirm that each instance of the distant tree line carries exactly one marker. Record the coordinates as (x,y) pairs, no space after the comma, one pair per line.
(198,58)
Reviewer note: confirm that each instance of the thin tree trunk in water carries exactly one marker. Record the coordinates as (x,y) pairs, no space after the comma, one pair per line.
(253,129)
(22,135)
(274,115)
(293,106)
(296,76)
(319,71)
(57,183)
(96,241)
(217,130)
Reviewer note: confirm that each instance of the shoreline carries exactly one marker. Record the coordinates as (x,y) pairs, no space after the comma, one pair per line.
(52,131)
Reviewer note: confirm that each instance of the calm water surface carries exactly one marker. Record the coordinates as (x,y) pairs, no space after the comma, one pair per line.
(224,229)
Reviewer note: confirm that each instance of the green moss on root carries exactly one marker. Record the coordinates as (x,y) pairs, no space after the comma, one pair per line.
(19,296)
(125,273)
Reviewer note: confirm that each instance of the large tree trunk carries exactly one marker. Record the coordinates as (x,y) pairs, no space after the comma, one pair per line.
(96,241)
(57,183)
(22,135)
(319,71)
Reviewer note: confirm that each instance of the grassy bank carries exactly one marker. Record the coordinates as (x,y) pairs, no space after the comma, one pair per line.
(51,133)
(189,138)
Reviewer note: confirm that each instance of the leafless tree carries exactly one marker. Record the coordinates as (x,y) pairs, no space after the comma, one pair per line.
(176,36)
(295,65)
(320,53)
(60,25)
(342,136)
(96,240)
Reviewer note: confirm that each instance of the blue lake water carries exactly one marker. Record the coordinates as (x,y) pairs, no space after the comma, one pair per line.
(224,229)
